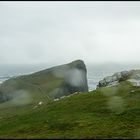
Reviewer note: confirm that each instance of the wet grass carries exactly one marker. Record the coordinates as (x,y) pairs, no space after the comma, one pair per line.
(85,115)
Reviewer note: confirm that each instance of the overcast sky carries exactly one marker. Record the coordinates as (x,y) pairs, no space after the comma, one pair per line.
(59,32)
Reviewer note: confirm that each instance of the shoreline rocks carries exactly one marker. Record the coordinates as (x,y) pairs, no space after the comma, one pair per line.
(115,78)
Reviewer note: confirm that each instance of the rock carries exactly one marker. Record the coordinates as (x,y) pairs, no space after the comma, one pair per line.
(51,83)
(135,82)
(35,107)
(115,78)
(132,76)
(132,91)
(114,83)
(4,97)
(62,97)
(40,103)
(56,99)
(75,79)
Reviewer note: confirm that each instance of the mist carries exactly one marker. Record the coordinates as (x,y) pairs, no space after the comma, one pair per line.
(21,98)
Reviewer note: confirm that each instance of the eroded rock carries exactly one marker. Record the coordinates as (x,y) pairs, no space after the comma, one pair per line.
(115,78)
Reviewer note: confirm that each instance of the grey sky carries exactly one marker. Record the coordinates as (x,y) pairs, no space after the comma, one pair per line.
(59,32)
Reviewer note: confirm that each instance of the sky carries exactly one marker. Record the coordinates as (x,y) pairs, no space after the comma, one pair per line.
(59,32)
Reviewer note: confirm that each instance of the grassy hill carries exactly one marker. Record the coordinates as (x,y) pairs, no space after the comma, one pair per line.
(47,84)
(109,112)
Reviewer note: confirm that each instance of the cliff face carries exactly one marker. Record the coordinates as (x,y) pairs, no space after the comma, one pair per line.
(74,77)
(53,83)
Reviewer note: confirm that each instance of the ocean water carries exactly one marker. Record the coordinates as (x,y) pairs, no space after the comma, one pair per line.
(95,73)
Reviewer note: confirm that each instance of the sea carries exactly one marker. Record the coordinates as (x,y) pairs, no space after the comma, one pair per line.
(95,72)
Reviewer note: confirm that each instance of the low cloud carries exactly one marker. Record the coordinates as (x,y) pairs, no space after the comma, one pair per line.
(116,104)
(21,98)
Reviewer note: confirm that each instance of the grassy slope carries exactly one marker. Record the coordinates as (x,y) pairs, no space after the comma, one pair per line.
(79,116)
(33,83)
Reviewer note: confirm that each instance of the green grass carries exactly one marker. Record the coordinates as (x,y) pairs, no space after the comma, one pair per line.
(104,113)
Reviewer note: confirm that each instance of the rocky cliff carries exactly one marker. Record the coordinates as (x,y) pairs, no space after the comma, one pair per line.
(132,76)
(51,83)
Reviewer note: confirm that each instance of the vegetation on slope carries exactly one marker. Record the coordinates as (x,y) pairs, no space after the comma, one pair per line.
(109,112)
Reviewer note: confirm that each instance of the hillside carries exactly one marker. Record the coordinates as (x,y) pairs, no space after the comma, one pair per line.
(108,112)
(48,84)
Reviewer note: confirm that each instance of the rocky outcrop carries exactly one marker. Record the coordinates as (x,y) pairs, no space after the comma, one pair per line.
(115,78)
(54,82)
(74,77)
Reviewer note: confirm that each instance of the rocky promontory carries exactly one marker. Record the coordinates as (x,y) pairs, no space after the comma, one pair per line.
(132,76)
(53,83)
